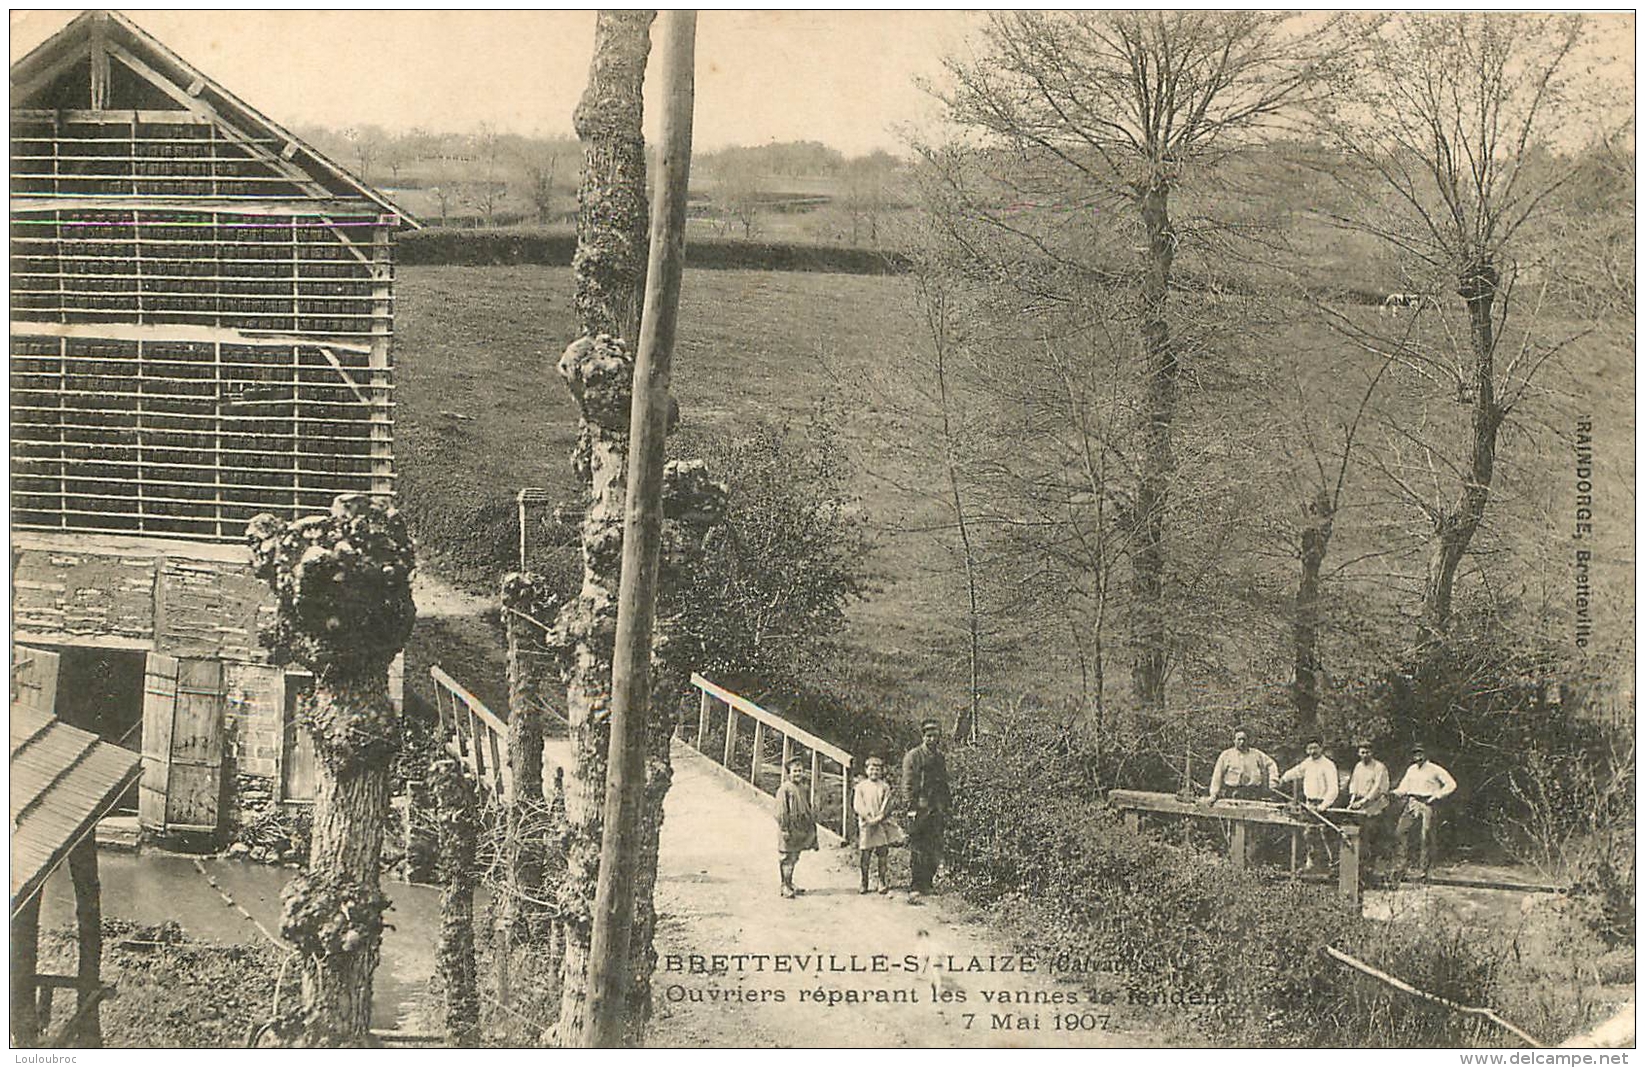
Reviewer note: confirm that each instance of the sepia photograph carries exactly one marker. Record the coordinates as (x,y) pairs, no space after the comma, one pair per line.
(744,530)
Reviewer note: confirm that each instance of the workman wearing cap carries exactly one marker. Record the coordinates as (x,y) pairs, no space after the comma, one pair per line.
(1368,795)
(1318,775)
(1423,785)
(925,793)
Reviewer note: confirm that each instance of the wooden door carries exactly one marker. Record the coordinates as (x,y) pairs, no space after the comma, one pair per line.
(34,679)
(159,707)
(182,744)
(297,763)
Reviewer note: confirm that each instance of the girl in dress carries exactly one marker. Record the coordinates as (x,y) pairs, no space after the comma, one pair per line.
(877,832)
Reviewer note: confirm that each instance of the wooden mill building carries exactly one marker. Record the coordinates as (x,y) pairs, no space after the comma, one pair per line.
(202,309)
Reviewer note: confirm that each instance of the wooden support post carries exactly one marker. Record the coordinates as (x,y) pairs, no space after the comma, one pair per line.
(730,734)
(1348,866)
(609,967)
(380,361)
(845,802)
(788,752)
(25,962)
(759,749)
(520,497)
(1296,846)
(702,723)
(1238,854)
(1133,821)
(816,778)
(88,914)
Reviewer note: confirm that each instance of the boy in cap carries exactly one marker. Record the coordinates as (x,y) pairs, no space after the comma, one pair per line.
(877,832)
(796,824)
(925,789)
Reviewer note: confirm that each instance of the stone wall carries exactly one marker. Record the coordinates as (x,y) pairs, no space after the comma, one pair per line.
(183,599)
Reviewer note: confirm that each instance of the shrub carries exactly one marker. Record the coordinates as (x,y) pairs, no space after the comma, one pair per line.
(1240,953)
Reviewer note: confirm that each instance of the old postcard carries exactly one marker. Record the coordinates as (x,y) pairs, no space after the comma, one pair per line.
(764,529)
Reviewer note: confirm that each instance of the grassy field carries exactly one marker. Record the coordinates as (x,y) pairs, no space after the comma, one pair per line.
(482,412)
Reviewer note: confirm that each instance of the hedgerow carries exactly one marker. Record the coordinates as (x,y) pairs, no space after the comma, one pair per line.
(554,248)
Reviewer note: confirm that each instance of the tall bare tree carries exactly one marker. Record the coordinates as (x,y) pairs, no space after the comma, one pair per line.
(1114,110)
(1449,124)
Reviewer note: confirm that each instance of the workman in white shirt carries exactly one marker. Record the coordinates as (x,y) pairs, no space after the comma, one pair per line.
(1423,785)
(1368,790)
(1243,773)
(1320,787)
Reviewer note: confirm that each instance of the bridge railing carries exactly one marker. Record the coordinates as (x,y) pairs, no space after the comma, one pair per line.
(474,735)
(755,745)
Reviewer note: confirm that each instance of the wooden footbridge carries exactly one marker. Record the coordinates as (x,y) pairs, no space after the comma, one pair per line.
(747,744)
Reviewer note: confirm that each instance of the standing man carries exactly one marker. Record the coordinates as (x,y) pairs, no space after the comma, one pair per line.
(1243,773)
(1318,775)
(1368,795)
(925,788)
(1423,785)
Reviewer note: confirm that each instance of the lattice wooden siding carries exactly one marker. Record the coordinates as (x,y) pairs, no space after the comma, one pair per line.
(189,438)
(286,274)
(201,304)
(141,154)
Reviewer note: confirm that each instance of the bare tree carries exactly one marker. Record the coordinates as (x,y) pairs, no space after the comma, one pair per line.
(1115,109)
(1447,137)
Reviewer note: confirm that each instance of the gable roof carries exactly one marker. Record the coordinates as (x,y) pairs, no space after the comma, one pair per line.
(103,49)
(63,780)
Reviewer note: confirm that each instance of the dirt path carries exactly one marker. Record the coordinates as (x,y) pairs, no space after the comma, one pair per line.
(717,893)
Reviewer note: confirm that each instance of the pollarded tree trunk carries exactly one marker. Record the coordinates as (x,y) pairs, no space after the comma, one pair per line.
(532,667)
(454,960)
(598,367)
(1454,529)
(1160,389)
(342,584)
(1316,540)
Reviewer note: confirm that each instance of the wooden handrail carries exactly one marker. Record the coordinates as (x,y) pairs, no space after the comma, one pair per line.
(485,757)
(749,708)
(474,704)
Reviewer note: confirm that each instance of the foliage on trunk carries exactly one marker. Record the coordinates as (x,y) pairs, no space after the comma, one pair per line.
(532,670)
(1315,541)
(459,826)
(342,584)
(598,368)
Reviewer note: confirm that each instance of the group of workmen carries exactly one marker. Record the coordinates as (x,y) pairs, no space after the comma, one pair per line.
(925,802)
(1246,773)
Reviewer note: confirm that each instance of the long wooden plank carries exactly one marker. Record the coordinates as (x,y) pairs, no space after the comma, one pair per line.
(179,332)
(1248,811)
(159,701)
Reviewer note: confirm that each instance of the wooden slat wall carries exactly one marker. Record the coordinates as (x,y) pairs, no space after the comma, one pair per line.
(192,433)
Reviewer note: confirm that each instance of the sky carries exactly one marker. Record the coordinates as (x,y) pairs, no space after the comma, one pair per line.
(844,78)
